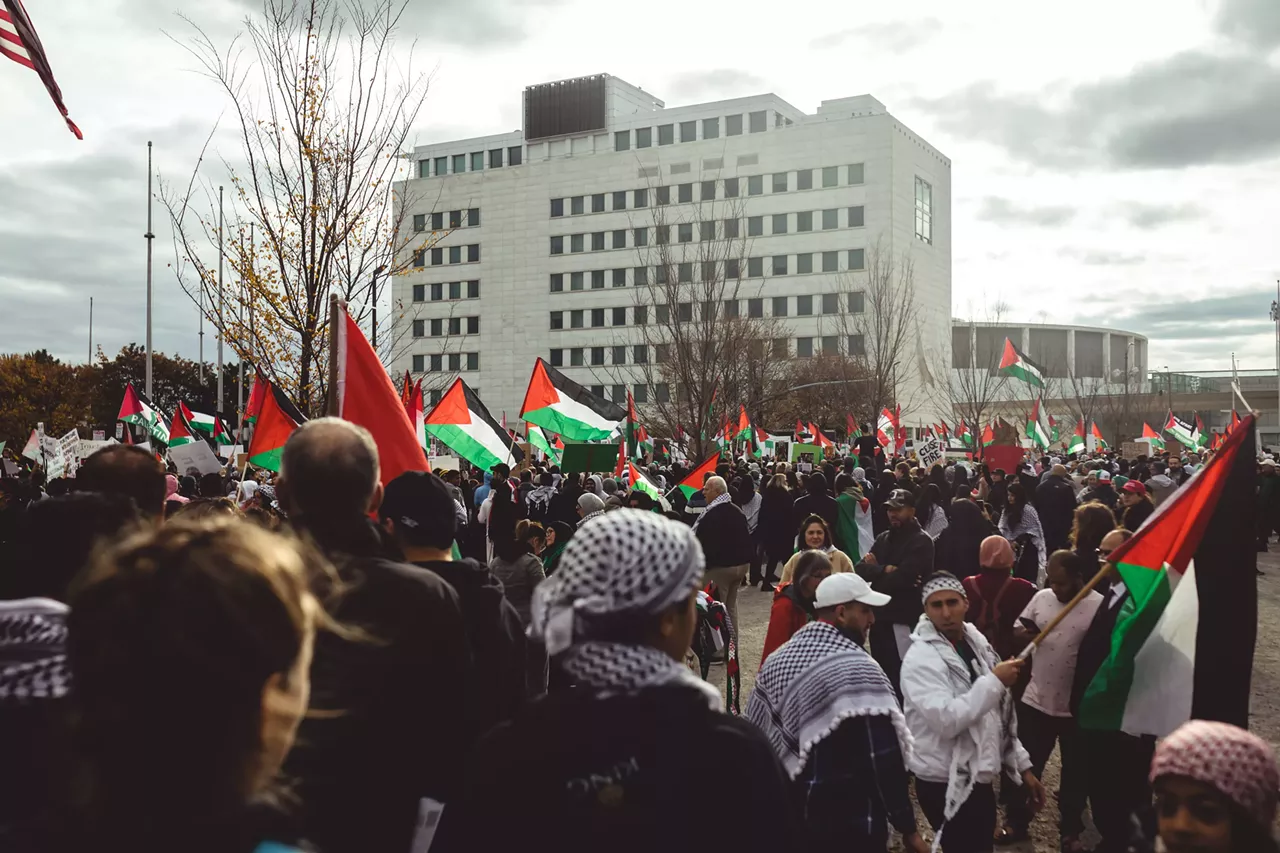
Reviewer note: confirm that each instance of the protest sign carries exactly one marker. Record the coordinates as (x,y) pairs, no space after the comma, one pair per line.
(195,456)
(929,453)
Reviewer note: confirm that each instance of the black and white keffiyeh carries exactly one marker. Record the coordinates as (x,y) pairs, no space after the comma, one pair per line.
(723,498)
(539,498)
(939,583)
(33,636)
(627,563)
(814,682)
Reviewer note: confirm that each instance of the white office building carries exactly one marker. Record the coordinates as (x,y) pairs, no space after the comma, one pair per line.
(546,230)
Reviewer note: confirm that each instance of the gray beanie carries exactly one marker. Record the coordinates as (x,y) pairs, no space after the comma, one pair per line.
(589,503)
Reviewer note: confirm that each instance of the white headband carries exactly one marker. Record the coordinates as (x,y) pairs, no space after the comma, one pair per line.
(940,583)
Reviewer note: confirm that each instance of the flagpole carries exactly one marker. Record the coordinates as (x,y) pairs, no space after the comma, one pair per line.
(149,237)
(91,330)
(1053,623)
(332,406)
(222,299)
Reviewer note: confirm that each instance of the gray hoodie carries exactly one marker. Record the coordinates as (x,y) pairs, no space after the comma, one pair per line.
(1161,487)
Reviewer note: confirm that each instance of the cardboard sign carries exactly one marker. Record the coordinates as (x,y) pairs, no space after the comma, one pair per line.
(929,453)
(229,451)
(1134,449)
(196,457)
(119,431)
(444,463)
(87,448)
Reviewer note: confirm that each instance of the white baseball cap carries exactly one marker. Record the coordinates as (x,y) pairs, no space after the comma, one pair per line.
(845,587)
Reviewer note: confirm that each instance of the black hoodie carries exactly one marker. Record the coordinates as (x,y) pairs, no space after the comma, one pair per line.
(496,638)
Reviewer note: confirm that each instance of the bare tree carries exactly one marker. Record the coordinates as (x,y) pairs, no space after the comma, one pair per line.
(320,123)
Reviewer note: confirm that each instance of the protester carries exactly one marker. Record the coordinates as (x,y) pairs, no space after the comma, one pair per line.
(777,532)
(1100,490)
(957,549)
(539,499)
(814,535)
(998,492)
(1216,788)
(960,715)
(1091,523)
(726,545)
(589,507)
(190,645)
(518,567)
(1044,712)
(203,508)
(621,761)
(1055,503)
(1268,502)
(417,511)
(363,770)
(996,597)
(793,602)
(748,500)
(899,560)
(557,537)
(1020,524)
(832,716)
(1137,505)
(1160,485)
(815,501)
(929,511)
(123,469)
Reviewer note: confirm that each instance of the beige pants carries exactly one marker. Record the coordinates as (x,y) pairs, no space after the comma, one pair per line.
(728,579)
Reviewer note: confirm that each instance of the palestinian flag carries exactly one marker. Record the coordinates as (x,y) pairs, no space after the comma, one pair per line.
(1183,641)
(1076,442)
(277,419)
(417,415)
(988,436)
(942,431)
(1097,436)
(851,429)
(1053,431)
(745,432)
(538,439)
(964,433)
(706,420)
(642,483)
(1017,365)
(32,449)
(902,430)
(257,395)
(181,432)
(556,402)
(644,444)
(1181,431)
(1201,434)
(820,438)
(1152,436)
(801,432)
(1235,422)
(197,420)
(693,483)
(887,432)
(135,408)
(633,422)
(463,424)
(1038,425)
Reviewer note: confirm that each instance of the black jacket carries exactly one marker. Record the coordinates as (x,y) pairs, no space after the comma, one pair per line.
(1103,493)
(910,549)
(1055,503)
(1133,516)
(401,731)
(774,526)
(725,539)
(495,636)
(1095,646)
(656,770)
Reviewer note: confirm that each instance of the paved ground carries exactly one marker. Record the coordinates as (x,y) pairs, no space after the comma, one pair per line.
(753,613)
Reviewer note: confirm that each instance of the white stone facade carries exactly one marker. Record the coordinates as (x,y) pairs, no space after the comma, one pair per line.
(851,157)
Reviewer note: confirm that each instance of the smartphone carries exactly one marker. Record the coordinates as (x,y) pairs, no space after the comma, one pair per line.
(1029,625)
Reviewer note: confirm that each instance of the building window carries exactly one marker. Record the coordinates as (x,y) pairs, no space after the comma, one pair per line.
(597,241)
(455,290)
(755,185)
(804,263)
(684,193)
(455,254)
(459,163)
(640,355)
(755,267)
(663,315)
(731,228)
(437,328)
(557,245)
(477,161)
(688,131)
(666,134)
(804,220)
(437,292)
(419,327)
(779,182)
(418,364)
(857,217)
(662,234)
(804,306)
(830,176)
(515,155)
(730,187)
(830,303)
(779,306)
(575,281)
(495,158)
(620,354)
(780,348)
(708,190)
(473,253)
(755,308)
(732,309)
(733,125)
(437,221)
(597,356)
(684,272)
(684,232)
(641,237)
(924,211)
(455,219)
(473,325)
(620,239)
(418,258)
(755,226)
(622,140)
(857,345)
(442,166)
(473,217)
(857,302)
(644,137)
(419,223)
(619,317)
(640,278)
(804,347)
(557,358)
(575,319)
(684,312)
(707,230)
(664,195)
(437,363)
(732,267)
(576,205)
(804,179)
(419,292)
(576,243)
(857,259)
(829,345)
(619,278)
(855,174)
(597,203)
(618,393)
(662,392)
(557,319)
(575,357)
(709,270)
(557,207)
(756,122)
(455,361)
(779,223)
(597,318)
(437,257)
(598,390)
(597,279)
(455,326)
(642,198)
(779,264)
(620,200)
(473,289)
(640,314)
(830,219)
(642,393)
(710,128)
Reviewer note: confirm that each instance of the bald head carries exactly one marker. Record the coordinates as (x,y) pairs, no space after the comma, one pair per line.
(713,488)
(329,472)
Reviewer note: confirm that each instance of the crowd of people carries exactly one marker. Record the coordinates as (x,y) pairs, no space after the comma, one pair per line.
(481,660)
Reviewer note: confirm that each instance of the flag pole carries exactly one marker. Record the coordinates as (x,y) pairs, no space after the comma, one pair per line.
(332,407)
(222,299)
(91,330)
(149,237)
(1053,623)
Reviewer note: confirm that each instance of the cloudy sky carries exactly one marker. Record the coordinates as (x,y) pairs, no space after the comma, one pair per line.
(1114,165)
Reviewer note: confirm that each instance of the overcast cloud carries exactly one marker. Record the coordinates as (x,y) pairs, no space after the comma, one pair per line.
(1132,190)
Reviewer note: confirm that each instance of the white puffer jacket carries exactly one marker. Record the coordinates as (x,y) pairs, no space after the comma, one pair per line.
(957,726)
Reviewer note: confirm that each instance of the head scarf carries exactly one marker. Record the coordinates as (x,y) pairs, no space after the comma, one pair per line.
(171,489)
(1238,763)
(995,552)
(626,565)
(940,583)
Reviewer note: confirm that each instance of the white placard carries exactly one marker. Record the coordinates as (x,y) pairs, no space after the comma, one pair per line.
(229,451)
(69,447)
(87,448)
(444,463)
(99,435)
(195,455)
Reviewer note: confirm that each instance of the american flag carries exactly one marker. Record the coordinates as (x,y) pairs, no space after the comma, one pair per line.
(19,42)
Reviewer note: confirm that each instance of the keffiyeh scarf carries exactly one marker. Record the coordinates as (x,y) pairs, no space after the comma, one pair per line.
(540,498)
(33,636)
(812,684)
(625,564)
(722,499)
